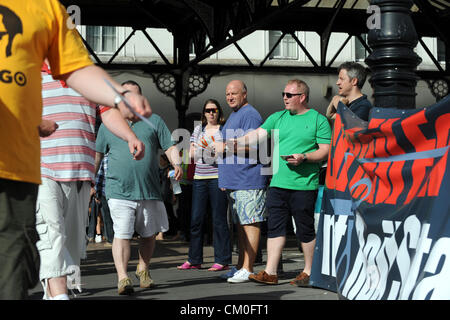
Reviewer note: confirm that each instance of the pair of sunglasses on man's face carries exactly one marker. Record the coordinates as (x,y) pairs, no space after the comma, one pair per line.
(211,110)
(290,95)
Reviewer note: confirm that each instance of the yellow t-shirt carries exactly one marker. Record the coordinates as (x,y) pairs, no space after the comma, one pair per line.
(29,32)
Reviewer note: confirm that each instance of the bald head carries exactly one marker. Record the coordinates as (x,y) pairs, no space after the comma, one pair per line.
(238,84)
(236,94)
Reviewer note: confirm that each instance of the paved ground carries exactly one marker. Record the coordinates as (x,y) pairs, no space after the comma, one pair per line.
(99,278)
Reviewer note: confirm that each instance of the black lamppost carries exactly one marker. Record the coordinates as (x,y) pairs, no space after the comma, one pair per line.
(393,61)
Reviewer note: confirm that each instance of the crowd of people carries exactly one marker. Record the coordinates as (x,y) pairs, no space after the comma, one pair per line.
(48,185)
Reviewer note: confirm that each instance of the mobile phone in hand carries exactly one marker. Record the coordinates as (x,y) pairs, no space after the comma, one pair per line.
(285,158)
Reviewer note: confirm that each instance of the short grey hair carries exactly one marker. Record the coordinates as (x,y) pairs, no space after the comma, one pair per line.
(355,70)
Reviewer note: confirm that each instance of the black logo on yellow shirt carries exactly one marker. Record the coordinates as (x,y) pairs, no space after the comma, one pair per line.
(12,27)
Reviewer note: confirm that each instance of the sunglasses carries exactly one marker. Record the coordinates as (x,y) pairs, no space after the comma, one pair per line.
(211,110)
(290,95)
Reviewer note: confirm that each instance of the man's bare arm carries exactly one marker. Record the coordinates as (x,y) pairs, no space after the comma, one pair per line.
(115,122)
(173,155)
(242,144)
(89,82)
(321,154)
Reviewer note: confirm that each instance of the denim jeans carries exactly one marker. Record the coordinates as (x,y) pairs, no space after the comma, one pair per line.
(107,221)
(184,210)
(205,190)
(103,209)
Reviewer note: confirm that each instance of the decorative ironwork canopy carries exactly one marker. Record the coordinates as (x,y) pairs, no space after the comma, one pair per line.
(223,23)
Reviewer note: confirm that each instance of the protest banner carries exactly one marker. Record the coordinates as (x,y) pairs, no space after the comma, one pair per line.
(384,228)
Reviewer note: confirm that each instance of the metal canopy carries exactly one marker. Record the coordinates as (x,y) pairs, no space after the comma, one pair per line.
(212,25)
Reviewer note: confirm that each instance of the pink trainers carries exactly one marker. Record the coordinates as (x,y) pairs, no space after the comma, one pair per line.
(187,265)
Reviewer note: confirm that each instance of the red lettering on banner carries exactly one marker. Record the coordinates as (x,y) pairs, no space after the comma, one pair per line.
(424,178)
(392,146)
(418,171)
(412,131)
(370,153)
(384,184)
(442,126)
(358,191)
(336,176)
(424,188)
(436,176)
(398,184)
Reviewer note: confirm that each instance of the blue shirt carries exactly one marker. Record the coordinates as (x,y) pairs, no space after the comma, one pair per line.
(361,107)
(238,173)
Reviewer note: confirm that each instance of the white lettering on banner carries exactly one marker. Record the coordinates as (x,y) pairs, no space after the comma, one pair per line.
(332,236)
(368,277)
(424,247)
(437,285)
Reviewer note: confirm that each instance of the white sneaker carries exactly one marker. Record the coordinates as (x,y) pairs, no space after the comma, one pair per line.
(240,276)
(98,238)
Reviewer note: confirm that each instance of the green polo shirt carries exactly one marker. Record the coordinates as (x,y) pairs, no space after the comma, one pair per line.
(296,134)
(130,179)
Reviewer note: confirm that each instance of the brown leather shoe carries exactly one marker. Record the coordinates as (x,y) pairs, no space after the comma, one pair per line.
(264,277)
(301,280)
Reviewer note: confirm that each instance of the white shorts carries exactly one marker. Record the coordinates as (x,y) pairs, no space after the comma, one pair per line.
(146,217)
(61,221)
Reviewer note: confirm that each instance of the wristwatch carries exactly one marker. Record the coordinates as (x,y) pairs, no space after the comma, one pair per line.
(304,157)
(119,98)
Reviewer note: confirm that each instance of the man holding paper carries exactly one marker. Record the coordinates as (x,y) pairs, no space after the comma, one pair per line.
(304,138)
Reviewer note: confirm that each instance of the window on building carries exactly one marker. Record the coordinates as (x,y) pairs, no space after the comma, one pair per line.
(286,49)
(191,48)
(101,39)
(440,50)
(360,51)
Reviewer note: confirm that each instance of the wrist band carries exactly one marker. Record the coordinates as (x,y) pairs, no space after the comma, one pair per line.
(118,98)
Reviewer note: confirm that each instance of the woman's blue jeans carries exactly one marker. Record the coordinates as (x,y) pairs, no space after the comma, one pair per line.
(205,190)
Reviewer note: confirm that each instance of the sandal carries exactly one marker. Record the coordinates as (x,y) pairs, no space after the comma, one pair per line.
(187,265)
(218,267)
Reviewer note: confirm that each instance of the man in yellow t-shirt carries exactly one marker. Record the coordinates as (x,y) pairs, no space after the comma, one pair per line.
(30,31)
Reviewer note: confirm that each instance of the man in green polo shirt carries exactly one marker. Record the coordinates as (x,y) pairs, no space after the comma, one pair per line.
(304,138)
(134,193)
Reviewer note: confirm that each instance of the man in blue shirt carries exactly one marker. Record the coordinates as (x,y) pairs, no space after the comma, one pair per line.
(351,79)
(241,177)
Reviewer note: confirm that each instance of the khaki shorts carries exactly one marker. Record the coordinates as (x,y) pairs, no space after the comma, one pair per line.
(62,211)
(247,206)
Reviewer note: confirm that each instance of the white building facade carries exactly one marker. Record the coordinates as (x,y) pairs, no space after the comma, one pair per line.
(264,88)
